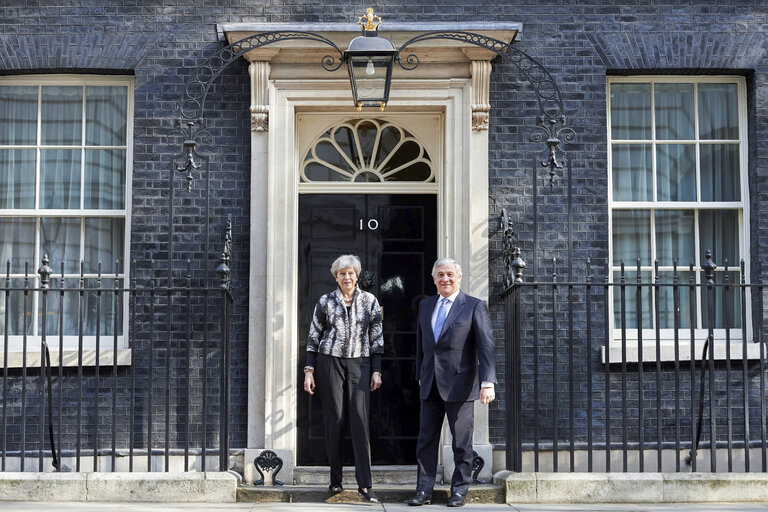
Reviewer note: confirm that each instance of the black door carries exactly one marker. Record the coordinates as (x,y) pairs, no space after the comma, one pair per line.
(395,237)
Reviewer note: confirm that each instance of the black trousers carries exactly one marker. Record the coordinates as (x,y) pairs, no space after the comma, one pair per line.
(344,387)
(461,420)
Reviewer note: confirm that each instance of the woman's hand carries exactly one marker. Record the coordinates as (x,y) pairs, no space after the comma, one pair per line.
(309,383)
(375,381)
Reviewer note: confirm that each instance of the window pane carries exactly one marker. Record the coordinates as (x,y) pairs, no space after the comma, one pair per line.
(104,179)
(419,171)
(674,111)
(675,237)
(106,113)
(100,308)
(104,243)
(721,305)
(676,172)
(718,111)
(60,240)
(631,237)
(62,115)
(668,304)
(17,178)
(318,172)
(18,115)
(719,233)
(720,172)
(632,172)
(60,178)
(16,307)
(630,300)
(630,111)
(18,236)
(53,314)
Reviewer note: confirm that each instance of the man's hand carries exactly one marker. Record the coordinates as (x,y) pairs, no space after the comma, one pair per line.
(487,395)
(309,383)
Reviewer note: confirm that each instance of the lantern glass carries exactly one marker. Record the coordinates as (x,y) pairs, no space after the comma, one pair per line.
(370,76)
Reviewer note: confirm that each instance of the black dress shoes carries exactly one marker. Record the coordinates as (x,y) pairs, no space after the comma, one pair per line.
(421,498)
(456,500)
(335,489)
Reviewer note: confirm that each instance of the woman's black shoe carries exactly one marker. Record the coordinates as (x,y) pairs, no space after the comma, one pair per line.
(335,488)
(368,495)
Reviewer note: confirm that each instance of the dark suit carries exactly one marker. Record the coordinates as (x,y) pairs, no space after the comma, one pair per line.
(449,374)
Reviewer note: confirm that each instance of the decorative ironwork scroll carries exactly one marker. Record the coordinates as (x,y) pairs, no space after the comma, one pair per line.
(478,463)
(196,90)
(268,461)
(551,119)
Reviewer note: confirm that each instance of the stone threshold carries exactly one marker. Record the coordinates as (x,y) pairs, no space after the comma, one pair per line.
(387,493)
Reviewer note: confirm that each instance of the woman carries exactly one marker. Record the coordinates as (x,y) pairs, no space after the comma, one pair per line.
(344,354)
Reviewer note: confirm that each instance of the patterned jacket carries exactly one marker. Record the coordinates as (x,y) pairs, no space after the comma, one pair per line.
(334,332)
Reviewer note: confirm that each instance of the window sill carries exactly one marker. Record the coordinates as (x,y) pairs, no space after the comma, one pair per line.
(667,351)
(70,359)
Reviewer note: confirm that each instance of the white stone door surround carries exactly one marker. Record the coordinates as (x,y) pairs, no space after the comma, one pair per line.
(451,81)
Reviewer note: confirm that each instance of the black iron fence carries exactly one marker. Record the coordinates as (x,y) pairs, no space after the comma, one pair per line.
(635,369)
(115,372)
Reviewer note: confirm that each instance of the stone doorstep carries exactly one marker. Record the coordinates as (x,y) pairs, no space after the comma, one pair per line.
(386,493)
(381,475)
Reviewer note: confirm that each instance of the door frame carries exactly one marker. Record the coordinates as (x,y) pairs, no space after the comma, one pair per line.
(462,213)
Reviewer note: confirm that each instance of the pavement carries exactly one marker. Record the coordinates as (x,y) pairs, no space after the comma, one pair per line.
(358,507)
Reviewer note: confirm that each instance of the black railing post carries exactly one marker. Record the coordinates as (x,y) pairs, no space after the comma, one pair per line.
(97,371)
(6,296)
(692,316)
(513,376)
(80,327)
(744,363)
(25,324)
(116,300)
(555,397)
(224,285)
(46,393)
(588,291)
(132,370)
(709,267)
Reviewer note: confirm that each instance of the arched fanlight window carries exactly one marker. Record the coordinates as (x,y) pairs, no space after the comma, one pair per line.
(367,151)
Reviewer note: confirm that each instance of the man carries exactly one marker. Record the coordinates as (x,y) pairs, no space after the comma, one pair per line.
(454,366)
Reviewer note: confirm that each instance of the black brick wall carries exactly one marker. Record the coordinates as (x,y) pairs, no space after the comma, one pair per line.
(162,41)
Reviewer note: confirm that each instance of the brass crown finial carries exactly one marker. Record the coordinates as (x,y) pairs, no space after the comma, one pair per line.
(369,22)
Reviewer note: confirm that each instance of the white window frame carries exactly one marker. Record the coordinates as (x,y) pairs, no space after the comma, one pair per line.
(70,342)
(667,335)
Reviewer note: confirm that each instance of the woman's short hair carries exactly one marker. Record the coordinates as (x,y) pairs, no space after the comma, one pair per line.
(344,261)
(445,261)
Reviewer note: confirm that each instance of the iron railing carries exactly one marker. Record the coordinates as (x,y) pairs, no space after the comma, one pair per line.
(591,399)
(135,378)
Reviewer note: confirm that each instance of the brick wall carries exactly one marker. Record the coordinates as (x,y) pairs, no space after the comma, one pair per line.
(162,41)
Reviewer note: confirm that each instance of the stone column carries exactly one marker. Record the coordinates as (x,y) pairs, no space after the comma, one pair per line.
(257,318)
(475,280)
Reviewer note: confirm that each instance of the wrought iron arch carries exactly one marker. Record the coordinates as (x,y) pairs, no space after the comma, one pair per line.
(551,120)
(550,126)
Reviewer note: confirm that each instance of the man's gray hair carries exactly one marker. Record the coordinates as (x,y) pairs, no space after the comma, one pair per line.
(344,261)
(446,261)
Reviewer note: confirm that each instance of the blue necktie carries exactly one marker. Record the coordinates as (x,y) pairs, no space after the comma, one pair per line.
(440,320)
